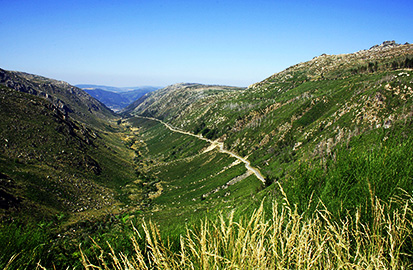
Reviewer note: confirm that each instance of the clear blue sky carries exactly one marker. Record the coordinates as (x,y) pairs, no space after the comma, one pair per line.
(154,42)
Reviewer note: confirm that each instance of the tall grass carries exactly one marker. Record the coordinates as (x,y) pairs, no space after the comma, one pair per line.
(284,239)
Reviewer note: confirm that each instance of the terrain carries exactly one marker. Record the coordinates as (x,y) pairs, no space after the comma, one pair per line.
(62,159)
(116,98)
(200,176)
(303,115)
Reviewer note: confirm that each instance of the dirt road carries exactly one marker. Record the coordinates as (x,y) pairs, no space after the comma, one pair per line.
(214,144)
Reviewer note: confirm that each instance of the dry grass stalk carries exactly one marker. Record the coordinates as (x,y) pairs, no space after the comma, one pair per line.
(286,241)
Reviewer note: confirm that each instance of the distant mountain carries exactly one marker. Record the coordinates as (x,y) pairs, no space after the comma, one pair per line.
(102,87)
(116,89)
(116,98)
(173,99)
(137,93)
(112,100)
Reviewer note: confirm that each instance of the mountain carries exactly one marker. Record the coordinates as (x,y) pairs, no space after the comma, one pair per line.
(59,152)
(114,101)
(137,92)
(69,99)
(116,89)
(309,113)
(178,98)
(331,137)
(297,99)
(103,87)
(116,98)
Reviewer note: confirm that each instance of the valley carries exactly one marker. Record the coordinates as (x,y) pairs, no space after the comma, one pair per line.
(219,145)
(191,178)
(316,158)
(116,98)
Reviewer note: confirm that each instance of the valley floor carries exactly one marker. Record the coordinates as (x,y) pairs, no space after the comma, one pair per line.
(214,144)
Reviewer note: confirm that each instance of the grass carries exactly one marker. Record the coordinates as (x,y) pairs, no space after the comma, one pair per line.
(341,181)
(377,163)
(26,245)
(191,180)
(365,221)
(284,239)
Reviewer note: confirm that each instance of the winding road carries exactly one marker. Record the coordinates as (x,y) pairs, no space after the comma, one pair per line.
(214,144)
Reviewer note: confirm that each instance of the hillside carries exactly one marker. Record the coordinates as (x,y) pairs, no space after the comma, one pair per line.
(51,163)
(175,181)
(179,99)
(331,94)
(306,115)
(68,99)
(59,151)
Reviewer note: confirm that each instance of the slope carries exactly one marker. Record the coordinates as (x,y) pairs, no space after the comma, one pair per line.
(51,163)
(68,99)
(309,114)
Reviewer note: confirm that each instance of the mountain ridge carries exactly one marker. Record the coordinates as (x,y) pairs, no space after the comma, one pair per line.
(295,104)
(116,89)
(333,132)
(69,99)
(58,150)
(185,93)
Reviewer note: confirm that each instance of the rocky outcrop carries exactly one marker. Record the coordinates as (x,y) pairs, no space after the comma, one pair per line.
(385,45)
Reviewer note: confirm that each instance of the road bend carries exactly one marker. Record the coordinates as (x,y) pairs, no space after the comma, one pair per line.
(214,144)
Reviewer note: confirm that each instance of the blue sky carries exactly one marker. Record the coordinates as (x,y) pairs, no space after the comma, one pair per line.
(143,42)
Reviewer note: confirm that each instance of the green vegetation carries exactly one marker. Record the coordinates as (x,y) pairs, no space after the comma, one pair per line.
(332,136)
(375,164)
(285,239)
(183,181)
(54,172)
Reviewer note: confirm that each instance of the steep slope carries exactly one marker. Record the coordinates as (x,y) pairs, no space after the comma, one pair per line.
(68,99)
(367,89)
(305,115)
(181,100)
(58,150)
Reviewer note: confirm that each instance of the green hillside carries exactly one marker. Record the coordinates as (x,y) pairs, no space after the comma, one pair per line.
(306,114)
(166,184)
(55,172)
(53,164)
(70,100)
